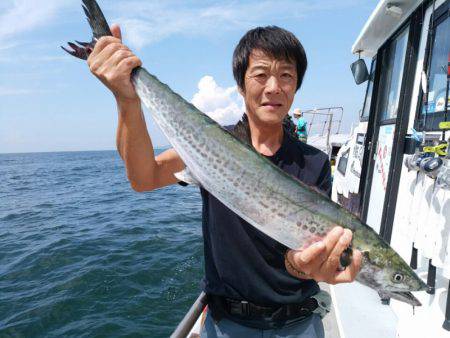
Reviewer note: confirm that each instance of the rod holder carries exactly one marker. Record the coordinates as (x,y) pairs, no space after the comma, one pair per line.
(413,263)
(446,324)
(431,279)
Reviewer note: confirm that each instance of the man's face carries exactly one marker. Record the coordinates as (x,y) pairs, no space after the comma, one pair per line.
(270,86)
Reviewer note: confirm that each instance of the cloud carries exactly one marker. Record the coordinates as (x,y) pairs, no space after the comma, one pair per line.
(147,22)
(7,91)
(19,16)
(224,105)
(4,91)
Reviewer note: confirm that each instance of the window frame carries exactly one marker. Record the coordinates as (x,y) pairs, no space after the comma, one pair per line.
(406,29)
(422,122)
(373,69)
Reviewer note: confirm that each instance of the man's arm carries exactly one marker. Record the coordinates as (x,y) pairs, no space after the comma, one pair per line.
(112,62)
(144,171)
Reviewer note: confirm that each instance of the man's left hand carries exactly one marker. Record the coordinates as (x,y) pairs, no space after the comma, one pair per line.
(321,261)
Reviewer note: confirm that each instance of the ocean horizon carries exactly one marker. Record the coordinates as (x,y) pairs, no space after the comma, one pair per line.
(157,149)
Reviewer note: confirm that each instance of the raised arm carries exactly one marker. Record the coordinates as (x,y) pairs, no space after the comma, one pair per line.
(112,62)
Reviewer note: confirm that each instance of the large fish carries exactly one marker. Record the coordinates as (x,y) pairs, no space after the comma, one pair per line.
(277,204)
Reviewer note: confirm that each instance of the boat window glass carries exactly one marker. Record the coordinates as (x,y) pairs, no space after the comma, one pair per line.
(342,166)
(368,99)
(437,75)
(360,138)
(391,80)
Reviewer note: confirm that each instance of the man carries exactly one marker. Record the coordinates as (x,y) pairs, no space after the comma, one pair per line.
(255,285)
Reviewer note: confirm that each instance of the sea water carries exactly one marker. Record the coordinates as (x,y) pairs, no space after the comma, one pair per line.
(83,255)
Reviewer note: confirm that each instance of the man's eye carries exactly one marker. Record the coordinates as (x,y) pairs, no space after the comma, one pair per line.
(260,75)
(287,75)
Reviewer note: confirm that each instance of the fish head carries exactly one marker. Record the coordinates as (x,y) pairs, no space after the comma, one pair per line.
(382,268)
(385,271)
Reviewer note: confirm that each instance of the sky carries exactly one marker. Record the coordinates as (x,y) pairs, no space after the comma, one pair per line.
(49,101)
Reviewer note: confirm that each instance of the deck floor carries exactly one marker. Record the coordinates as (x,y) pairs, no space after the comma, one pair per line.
(359,313)
(330,321)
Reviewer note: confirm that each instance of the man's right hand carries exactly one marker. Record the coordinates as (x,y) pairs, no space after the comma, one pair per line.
(112,62)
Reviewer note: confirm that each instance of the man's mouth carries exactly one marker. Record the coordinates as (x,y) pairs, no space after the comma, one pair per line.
(271,104)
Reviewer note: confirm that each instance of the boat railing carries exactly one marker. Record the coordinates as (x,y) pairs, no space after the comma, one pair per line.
(187,323)
(329,119)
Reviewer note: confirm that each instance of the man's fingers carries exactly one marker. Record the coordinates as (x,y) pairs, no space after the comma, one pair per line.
(117,57)
(332,238)
(101,44)
(110,56)
(308,259)
(311,252)
(116,32)
(128,64)
(349,274)
(332,263)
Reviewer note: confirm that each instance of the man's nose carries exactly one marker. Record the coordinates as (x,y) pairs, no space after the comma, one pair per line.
(273,85)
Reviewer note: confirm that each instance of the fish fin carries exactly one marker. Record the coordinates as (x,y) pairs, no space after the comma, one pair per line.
(383,295)
(81,51)
(187,177)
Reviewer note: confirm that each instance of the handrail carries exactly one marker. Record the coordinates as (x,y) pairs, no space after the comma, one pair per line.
(329,111)
(187,323)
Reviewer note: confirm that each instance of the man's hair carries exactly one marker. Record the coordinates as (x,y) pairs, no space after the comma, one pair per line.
(273,41)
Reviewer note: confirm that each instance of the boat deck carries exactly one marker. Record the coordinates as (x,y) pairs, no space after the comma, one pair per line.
(359,312)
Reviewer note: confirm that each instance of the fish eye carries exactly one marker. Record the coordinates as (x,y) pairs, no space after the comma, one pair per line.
(397,278)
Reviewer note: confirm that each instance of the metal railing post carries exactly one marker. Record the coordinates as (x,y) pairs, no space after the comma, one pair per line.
(186,324)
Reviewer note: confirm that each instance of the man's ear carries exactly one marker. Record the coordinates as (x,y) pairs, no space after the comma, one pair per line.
(241,91)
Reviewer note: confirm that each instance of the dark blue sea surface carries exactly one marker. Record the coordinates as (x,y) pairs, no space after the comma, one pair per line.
(83,255)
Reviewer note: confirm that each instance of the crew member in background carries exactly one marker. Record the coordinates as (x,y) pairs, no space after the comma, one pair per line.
(302,133)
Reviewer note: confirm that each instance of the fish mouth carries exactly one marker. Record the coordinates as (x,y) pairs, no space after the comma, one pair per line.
(405,296)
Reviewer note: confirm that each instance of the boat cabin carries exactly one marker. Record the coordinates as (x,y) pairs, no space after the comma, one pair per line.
(394,171)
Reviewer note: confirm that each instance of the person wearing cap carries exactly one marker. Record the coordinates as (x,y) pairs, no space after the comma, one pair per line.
(301,131)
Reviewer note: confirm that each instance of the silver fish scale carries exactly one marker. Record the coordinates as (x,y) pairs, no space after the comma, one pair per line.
(243,180)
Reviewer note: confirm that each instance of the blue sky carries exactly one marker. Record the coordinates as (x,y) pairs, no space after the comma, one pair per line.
(49,101)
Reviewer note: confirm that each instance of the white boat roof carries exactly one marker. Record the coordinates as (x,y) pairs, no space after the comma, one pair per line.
(320,141)
(382,23)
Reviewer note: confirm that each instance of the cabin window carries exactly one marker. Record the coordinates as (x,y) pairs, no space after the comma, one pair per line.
(433,106)
(368,99)
(342,166)
(391,80)
(360,138)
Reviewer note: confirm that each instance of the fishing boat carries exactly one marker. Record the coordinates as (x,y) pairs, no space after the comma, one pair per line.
(394,169)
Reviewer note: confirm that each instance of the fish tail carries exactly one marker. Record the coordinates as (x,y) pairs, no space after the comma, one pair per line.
(99,27)
(96,19)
